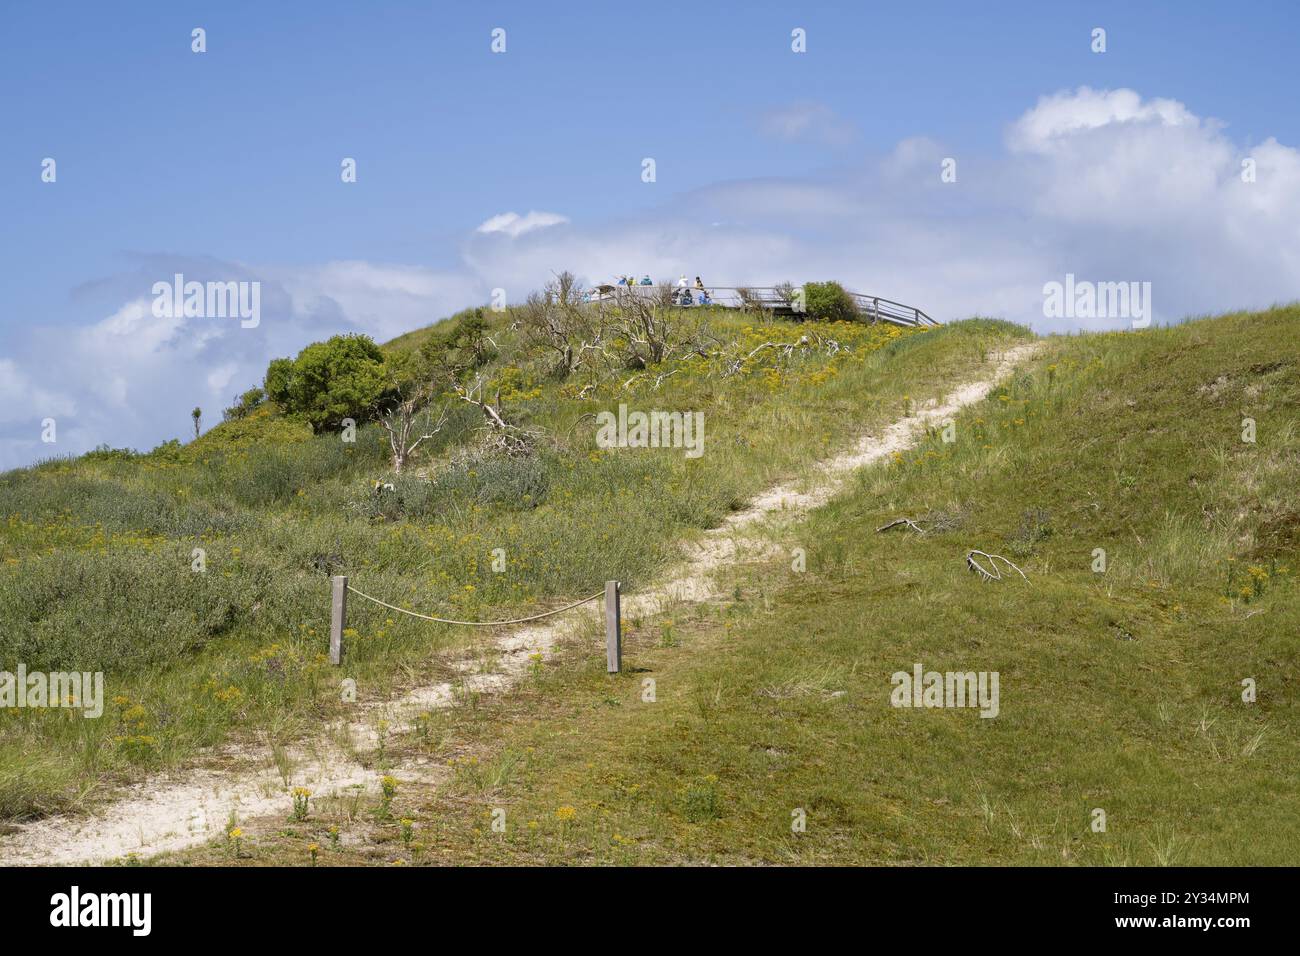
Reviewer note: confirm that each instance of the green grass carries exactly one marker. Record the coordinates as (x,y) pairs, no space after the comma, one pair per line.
(97,554)
(1120,690)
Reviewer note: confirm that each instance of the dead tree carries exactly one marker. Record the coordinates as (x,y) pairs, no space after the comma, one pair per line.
(408,424)
(500,434)
(558,321)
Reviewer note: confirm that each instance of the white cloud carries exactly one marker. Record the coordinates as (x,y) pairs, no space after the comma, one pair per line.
(807,121)
(383,300)
(1056,119)
(21,398)
(514,225)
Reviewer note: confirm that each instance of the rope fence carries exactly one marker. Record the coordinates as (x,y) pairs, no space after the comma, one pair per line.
(613,618)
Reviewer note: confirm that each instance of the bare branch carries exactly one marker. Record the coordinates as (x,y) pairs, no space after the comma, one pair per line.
(901,521)
(992,573)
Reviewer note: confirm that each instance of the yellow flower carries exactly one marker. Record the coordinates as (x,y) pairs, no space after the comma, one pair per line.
(566,813)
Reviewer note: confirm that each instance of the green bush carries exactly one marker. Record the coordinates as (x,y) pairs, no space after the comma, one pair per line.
(244,404)
(342,377)
(105,453)
(276,383)
(829,302)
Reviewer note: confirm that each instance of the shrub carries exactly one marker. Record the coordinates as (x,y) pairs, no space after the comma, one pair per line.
(278,375)
(120,612)
(244,404)
(171,451)
(829,302)
(342,377)
(459,343)
(105,453)
(487,481)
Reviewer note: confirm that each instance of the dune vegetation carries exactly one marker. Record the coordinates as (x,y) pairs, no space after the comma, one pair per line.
(1143,482)
(195,576)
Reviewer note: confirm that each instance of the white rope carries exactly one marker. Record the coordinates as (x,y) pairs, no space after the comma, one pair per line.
(443,620)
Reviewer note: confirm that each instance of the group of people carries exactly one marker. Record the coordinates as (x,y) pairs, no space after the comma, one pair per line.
(683,294)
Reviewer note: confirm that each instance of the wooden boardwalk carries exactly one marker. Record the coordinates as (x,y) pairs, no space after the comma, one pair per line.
(776,300)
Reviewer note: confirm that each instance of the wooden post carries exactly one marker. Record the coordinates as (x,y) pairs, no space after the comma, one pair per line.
(613,628)
(338,617)
(877,311)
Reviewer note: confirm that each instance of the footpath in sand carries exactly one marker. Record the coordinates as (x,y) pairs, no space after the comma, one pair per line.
(188,808)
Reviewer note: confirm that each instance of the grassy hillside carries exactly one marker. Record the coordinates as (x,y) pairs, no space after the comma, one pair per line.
(1160,549)
(1121,689)
(99,568)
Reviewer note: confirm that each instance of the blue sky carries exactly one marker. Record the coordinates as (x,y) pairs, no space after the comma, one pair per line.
(770,166)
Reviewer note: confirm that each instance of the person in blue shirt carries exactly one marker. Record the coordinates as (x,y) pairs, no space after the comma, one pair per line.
(645,279)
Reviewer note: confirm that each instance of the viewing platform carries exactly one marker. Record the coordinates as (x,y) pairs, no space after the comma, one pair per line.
(777,299)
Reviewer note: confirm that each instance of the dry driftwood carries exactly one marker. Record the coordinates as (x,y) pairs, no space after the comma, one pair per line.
(991,573)
(901,521)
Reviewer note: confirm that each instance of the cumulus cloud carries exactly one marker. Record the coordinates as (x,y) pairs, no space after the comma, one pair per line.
(1055,119)
(131,377)
(514,225)
(1104,185)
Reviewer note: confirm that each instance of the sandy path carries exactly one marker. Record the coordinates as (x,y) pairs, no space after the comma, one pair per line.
(176,811)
